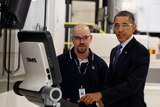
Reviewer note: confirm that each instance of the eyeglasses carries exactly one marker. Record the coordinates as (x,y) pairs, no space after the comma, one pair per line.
(81,38)
(124,25)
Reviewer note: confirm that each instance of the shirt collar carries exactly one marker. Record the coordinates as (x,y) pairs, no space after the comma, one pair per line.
(126,42)
(73,55)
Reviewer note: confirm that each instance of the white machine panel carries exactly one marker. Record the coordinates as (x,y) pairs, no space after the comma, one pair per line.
(35,63)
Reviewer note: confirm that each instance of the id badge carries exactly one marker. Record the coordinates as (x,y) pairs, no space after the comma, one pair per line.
(81,92)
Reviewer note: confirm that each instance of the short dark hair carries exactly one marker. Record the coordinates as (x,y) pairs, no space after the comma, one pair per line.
(127,14)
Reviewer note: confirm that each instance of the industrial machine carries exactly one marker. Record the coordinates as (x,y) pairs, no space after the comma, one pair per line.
(42,79)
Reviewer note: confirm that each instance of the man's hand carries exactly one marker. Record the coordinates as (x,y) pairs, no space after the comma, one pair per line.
(90,98)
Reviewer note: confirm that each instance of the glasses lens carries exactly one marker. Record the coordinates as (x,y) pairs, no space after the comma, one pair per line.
(125,25)
(84,37)
(77,38)
(116,25)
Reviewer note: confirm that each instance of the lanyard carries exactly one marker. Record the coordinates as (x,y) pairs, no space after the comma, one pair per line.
(78,67)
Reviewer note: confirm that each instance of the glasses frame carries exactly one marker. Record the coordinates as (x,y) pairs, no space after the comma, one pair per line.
(124,25)
(78,38)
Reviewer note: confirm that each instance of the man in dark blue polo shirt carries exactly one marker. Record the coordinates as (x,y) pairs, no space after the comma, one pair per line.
(82,70)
